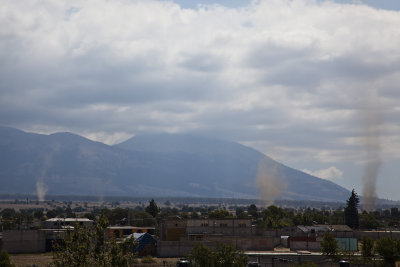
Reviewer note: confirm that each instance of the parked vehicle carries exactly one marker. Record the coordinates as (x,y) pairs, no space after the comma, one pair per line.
(183,263)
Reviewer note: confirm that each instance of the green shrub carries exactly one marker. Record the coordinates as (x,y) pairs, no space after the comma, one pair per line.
(5,259)
(148,259)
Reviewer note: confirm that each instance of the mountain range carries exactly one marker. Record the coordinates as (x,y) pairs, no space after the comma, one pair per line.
(148,165)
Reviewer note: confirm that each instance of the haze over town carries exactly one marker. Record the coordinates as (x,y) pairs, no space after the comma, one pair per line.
(313,84)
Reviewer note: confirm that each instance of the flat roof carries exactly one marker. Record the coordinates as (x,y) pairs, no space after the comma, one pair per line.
(69,220)
(129,227)
(282,253)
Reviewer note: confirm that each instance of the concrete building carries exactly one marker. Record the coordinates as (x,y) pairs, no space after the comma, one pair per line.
(374,235)
(309,237)
(23,241)
(178,237)
(39,240)
(60,223)
(176,229)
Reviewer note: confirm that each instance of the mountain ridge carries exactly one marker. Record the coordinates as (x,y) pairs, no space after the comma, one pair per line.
(154,164)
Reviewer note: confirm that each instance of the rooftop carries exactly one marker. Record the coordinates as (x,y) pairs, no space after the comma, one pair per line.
(129,227)
(69,220)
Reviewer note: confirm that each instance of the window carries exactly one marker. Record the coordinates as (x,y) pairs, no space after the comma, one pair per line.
(116,233)
(127,231)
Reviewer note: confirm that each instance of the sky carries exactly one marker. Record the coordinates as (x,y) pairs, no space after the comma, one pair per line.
(314,84)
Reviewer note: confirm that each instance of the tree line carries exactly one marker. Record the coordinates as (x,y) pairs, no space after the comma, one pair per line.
(271,217)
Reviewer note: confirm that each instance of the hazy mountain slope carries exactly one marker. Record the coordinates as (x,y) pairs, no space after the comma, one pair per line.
(230,167)
(148,165)
(62,162)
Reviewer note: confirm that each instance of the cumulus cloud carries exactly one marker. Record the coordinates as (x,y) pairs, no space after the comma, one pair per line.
(282,76)
(331,173)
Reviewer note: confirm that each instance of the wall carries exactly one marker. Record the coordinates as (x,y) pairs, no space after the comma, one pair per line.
(257,243)
(24,241)
(173,249)
(305,243)
(374,235)
(237,223)
(182,248)
(58,223)
(347,244)
(171,230)
(289,259)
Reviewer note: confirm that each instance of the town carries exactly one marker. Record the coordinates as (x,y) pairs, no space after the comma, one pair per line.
(168,233)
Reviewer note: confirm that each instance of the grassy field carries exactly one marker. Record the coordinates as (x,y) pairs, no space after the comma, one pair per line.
(45,259)
(23,260)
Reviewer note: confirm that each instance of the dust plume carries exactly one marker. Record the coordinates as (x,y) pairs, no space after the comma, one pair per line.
(269,183)
(372,123)
(41,190)
(47,159)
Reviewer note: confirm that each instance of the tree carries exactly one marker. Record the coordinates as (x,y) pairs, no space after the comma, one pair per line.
(89,215)
(351,211)
(201,256)
(74,249)
(275,217)
(329,246)
(38,214)
(253,211)
(227,256)
(223,256)
(367,246)
(388,249)
(240,213)
(152,208)
(88,247)
(218,214)
(116,215)
(51,214)
(140,218)
(5,259)
(7,213)
(368,221)
(394,213)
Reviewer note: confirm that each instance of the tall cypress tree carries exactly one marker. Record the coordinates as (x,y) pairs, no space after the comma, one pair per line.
(351,211)
(152,208)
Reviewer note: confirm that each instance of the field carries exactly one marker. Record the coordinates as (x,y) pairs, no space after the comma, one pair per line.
(23,260)
(45,259)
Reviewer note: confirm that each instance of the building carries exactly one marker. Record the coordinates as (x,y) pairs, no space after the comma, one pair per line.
(23,241)
(124,231)
(61,223)
(146,244)
(197,229)
(178,237)
(309,237)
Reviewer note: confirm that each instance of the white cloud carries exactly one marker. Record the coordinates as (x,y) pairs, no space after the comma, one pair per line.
(331,173)
(282,76)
